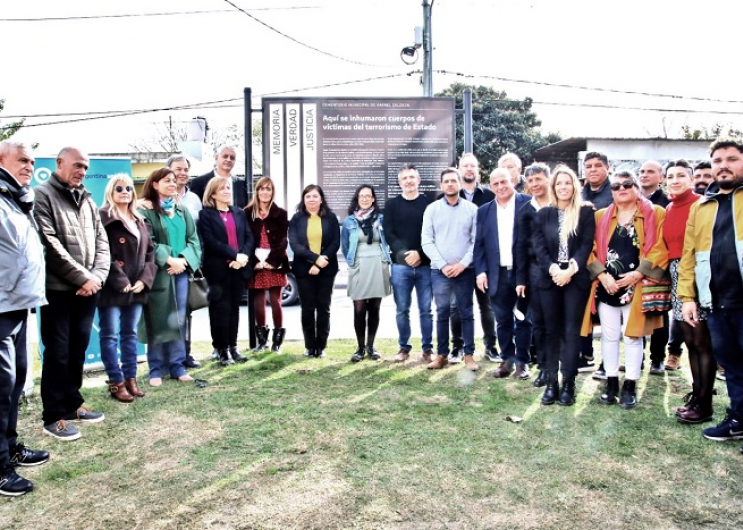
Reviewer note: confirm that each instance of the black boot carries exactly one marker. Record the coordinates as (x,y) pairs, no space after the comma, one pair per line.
(541,379)
(224,357)
(236,355)
(358,355)
(551,389)
(278,339)
(261,338)
(567,396)
(373,354)
(628,399)
(609,397)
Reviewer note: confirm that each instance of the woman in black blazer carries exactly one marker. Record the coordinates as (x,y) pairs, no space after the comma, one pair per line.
(228,244)
(563,238)
(314,235)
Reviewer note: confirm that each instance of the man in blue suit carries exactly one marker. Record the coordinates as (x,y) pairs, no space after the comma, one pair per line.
(493,256)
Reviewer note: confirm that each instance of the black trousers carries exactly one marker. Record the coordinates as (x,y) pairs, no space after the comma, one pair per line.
(566,306)
(315,294)
(66,322)
(13,367)
(224,308)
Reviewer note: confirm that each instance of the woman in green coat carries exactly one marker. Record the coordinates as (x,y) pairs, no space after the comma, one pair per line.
(177,252)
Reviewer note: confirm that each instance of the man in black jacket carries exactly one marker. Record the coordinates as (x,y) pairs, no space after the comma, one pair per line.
(224,163)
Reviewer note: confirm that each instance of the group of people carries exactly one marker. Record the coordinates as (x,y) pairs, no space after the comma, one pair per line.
(544,267)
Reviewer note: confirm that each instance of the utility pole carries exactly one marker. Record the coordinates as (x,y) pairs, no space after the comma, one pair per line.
(427,50)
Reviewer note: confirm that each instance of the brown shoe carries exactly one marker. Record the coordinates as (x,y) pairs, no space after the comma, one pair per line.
(470,363)
(131,386)
(504,370)
(427,356)
(401,356)
(672,363)
(522,371)
(119,392)
(438,363)
(696,413)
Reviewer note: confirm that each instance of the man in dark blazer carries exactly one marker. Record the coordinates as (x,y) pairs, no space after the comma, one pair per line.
(224,163)
(494,259)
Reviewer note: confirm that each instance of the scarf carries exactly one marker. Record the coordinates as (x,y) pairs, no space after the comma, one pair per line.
(649,229)
(168,205)
(366,220)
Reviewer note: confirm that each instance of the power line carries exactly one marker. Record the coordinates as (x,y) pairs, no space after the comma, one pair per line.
(620,107)
(580,87)
(99,115)
(135,15)
(300,42)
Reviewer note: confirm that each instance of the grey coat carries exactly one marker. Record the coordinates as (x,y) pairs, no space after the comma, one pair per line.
(75,241)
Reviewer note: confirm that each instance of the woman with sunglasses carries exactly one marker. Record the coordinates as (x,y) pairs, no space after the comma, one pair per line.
(628,246)
(368,258)
(562,235)
(130,278)
(177,252)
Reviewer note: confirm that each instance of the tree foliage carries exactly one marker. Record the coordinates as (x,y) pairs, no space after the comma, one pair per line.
(711,133)
(8,130)
(499,125)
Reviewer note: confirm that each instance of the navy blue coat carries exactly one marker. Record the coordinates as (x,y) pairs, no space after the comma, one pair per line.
(217,252)
(487,246)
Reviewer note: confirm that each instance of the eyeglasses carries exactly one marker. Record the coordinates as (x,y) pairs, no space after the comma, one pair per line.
(366,196)
(119,189)
(230,157)
(627,184)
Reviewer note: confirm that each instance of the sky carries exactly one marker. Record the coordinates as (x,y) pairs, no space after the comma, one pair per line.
(71,59)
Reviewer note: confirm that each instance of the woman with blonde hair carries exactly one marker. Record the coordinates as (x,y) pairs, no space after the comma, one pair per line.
(129,280)
(228,245)
(563,238)
(628,247)
(270,225)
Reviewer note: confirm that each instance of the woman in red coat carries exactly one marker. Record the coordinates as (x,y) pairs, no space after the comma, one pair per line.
(269,225)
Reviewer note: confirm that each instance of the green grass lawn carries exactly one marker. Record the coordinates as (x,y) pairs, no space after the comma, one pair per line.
(290,442)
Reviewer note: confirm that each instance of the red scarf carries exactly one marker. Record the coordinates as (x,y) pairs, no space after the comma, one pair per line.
(650,224)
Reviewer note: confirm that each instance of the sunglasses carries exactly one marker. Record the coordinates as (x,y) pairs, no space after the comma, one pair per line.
(627,184)
(119,189)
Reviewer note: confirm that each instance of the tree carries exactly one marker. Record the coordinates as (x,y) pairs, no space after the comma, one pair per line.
(712,133)
(6,131)
(499,125)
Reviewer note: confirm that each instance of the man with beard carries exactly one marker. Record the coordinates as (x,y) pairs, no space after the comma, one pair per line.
(702,177)
(447,238)
(711,271)
(476,193)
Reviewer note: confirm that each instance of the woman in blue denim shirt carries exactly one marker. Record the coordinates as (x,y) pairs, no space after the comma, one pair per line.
(368,259)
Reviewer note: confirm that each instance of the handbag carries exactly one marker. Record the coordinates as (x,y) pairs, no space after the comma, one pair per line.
(198,291)
(656,295)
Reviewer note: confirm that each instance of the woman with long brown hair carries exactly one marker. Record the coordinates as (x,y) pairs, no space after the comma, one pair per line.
(269,224)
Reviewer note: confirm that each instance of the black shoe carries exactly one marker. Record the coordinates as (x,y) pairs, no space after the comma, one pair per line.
(20,456)
(600,373)
(373,354)
(727,429)
(609,397)
(551,389)
(12,484)
(224,357)
(585,365)
(358,355)
(567,395)
(657,368)
(309,352)
(236,355)
(541,379)
(319,353)
(491,354)
(190,362)
(628,399)
(215,354)
(261,338)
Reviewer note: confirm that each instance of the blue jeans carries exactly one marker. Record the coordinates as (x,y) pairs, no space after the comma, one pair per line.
(727,346)
(514,336)
(171,354)
(461,288)
(119,325)
(404,279)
